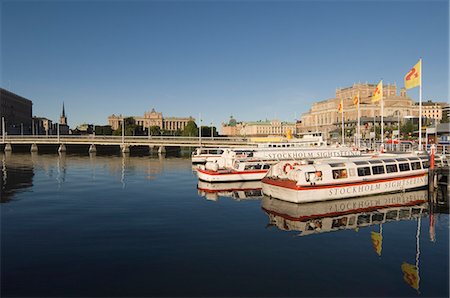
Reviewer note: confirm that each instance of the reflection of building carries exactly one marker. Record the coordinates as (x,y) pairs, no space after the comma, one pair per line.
(257,128)
(324,116)
(152,118)
(15,176)
(16,111)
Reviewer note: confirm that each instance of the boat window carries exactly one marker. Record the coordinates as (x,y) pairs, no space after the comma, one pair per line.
(425,164)
(391,215)
(266,167)
(252,167)
(363,219)
(413,158)
(339,222)
(376,170)
(401,159)
(416,211)
(364,171)
(404,167)
(313,176)
(404,213)
(416,165)
(335,165)
(391,168)
(340,174)
(377,217)
(376,161)
(351,221)
(388,160)
(361,163)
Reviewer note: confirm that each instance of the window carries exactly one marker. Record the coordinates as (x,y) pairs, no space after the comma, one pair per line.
(416,165)
(339,174)
(426,164)
(375,161)
(404,167)
(334,165)
(364,171)
(266,167)
(376,170)
(391,168)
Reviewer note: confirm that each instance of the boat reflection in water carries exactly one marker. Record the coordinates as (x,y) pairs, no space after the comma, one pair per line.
(328,216)
(242,190)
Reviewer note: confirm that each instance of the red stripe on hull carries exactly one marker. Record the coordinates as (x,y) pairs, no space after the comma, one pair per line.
(293,185)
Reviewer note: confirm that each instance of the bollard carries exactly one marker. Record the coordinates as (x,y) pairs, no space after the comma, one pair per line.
(125,148)
(92,149)
(62,148)
(34,148)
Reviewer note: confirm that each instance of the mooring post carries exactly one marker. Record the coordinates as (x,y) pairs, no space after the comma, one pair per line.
(34,148)
(62,148)
(92,149)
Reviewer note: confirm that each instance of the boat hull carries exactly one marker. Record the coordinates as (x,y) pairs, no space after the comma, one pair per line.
(229,176)
(288,190)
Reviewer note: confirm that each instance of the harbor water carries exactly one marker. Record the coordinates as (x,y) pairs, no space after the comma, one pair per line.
(140,226)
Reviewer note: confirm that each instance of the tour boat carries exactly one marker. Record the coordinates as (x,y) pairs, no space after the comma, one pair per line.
(306,147)
(329,216)
(338,178)
(239,170)
(242,190)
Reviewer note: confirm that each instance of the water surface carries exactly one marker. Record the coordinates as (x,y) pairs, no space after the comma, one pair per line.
(143,226)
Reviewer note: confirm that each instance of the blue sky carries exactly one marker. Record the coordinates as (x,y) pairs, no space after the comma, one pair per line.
(250,59)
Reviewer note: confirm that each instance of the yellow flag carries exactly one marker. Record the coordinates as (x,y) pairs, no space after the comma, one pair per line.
(413,77)
(411,275)
(378,93)
(356,99)
(341,106)
(377,240)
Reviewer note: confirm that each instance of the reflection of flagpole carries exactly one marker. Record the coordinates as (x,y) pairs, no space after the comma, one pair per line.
(418,247)
(382,112)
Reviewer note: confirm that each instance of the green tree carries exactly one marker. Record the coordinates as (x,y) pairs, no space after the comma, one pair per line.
(104,130)
(191,130)
(131,129)
(444,117)
(155,130)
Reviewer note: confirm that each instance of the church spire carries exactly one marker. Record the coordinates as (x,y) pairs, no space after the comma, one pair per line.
(63,111)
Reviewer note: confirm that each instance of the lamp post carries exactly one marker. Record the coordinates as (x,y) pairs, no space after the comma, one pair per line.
(123,130)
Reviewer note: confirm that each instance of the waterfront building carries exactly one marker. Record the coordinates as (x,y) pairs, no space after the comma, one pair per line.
(152,118)
(258,128)
(42,126)
(325,117)
(433,110)
(16,112)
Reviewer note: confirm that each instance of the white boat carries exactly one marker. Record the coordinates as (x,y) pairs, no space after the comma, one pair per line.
(306,147)
(329,216)
(242,190)
(239,170)
(345,177)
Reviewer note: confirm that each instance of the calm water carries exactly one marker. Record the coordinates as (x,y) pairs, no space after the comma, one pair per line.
(138,226)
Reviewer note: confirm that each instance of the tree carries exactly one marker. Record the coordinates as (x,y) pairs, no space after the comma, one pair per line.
(191,130)
(206,131)
(155,130)
(444,117)
(131,129)
(104,130)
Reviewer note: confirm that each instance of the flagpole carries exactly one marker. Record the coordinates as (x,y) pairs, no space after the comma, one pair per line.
(382,114)
(342,117)
(358,137)
(420,106)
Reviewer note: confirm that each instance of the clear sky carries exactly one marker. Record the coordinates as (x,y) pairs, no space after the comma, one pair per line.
(254,60)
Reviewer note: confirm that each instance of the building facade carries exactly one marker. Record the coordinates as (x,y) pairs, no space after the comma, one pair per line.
(433,110)
(325,117)
(152,118)
(16,112)
(258,128)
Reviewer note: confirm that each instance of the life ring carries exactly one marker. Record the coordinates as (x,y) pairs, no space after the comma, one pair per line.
(286,166)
